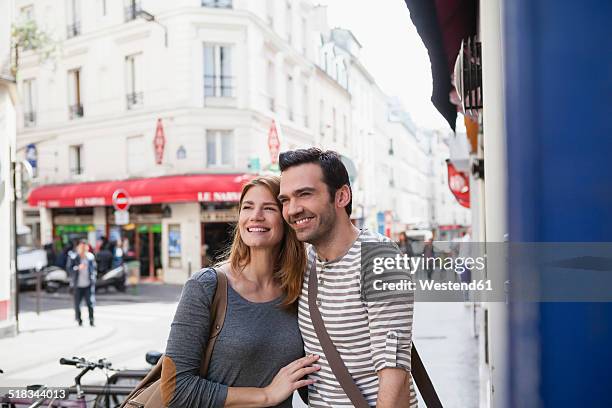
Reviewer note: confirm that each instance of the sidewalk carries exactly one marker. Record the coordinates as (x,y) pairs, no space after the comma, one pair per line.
(49,334)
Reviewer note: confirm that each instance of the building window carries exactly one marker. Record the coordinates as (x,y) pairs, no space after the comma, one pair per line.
(217,3)
(304,37)
(219,148)
(135,160)
(103,6)
(27,13)
(322,118)
(74,18)
(132,10)
(345,129)
(75,105)
(29,103)
(335,127)
(133,73)
(290,97)
(270,12)
(218,79)
(289,22)
(76,160)
(306,106)
(270,86)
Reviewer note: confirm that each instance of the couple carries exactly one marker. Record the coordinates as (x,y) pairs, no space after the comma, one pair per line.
(258,359)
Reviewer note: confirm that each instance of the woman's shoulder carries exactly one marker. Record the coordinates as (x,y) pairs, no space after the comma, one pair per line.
(206,280)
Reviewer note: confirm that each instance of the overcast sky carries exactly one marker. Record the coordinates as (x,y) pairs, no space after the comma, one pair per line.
(392,51)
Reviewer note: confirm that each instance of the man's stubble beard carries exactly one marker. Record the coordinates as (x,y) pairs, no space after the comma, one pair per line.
(323,233)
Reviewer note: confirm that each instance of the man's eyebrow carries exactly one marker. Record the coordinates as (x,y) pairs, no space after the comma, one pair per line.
(298,191)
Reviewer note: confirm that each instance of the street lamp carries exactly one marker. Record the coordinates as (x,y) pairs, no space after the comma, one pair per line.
(151,19)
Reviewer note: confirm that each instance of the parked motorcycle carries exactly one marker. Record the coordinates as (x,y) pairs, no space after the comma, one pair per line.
(57,279)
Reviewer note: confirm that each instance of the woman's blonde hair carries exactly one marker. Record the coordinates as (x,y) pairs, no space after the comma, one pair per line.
(290,263)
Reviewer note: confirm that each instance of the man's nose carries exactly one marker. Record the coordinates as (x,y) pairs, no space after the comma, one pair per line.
(293,208)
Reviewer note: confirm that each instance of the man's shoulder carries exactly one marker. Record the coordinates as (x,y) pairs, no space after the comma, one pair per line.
(371,236)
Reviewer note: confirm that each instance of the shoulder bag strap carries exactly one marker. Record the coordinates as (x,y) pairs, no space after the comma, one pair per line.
(333,357)
(217,315)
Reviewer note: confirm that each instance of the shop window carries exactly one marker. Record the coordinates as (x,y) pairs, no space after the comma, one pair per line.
(174,245)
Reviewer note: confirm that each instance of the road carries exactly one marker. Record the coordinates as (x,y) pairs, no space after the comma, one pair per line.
(129,325)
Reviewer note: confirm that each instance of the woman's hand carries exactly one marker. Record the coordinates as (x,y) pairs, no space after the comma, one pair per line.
(289,379)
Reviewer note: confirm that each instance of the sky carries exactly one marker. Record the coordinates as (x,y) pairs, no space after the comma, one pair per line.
(392,52)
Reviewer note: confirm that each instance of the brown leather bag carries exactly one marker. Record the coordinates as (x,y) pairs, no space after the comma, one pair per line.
(419,373)
(147,393)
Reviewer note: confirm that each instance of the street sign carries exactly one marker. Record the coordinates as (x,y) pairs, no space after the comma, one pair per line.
(122,217)
(121,200)
(159,142)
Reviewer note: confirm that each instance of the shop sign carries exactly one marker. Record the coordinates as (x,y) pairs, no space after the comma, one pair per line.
(273,143)
(230,215)
(218,196)
(122,217)
(159,142)
(174,241)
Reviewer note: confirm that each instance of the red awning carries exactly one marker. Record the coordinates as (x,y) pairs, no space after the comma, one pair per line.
(168,189)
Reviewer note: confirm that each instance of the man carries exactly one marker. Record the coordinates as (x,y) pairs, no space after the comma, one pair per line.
(82,269)
(374,339)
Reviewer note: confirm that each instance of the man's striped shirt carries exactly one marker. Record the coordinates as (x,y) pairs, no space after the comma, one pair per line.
(369,336)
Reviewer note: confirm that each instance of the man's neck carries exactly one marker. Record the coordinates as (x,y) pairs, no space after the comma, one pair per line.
(339,241)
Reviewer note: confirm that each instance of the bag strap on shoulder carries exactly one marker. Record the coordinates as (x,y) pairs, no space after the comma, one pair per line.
(217,315)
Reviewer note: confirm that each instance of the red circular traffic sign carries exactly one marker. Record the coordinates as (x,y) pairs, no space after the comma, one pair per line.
(121,200)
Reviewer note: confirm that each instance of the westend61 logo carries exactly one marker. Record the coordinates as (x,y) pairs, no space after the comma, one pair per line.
(448,273)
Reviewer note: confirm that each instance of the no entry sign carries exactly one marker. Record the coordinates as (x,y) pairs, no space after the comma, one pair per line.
(121,200)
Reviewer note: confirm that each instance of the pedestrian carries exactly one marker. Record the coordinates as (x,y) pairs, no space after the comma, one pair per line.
(104,257)
(81,266)
(373,339)
(117,252)
(405,245)
(257,360)
(428,255)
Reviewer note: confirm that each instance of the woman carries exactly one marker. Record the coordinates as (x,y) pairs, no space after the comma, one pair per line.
(256,361)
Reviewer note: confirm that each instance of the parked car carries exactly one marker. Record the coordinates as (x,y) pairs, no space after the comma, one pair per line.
(29,261)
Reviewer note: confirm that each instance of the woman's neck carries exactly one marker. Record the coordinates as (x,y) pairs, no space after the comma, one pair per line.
(260,269)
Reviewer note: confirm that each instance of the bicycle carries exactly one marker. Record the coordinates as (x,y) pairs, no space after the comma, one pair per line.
(57,397)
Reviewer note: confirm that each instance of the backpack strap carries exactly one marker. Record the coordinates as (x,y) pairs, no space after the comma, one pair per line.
(217,315)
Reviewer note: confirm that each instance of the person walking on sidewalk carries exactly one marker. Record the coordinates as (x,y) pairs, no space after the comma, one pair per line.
(373,338)
(82,269)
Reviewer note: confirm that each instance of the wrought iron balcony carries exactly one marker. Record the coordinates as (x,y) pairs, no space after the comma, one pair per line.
(134,99)
(29,119)
(73,30)
(131,11)
(217,3)
(219,86)
(76,111)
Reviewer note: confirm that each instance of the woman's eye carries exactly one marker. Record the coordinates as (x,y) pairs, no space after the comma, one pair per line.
(270,208)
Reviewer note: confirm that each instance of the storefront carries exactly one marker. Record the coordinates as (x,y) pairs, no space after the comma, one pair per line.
(168,227)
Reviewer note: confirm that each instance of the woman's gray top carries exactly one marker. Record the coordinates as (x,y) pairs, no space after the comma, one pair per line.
(256,341)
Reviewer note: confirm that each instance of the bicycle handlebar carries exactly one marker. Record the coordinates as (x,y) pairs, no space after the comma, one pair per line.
(83,363)
(71,361)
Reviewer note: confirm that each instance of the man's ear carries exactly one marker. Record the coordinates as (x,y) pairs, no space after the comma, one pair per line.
(343,196)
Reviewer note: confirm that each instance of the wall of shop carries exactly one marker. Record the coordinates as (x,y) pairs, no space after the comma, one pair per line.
(181,242)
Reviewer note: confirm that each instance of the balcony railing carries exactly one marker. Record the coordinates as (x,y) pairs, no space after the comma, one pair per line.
(217,86)
(134,99)
(131,11)
(29,119)
(217,3)
(75,171)
(73,30)
(76,111)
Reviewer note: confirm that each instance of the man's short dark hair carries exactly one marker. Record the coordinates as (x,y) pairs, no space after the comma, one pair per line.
(334,172)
